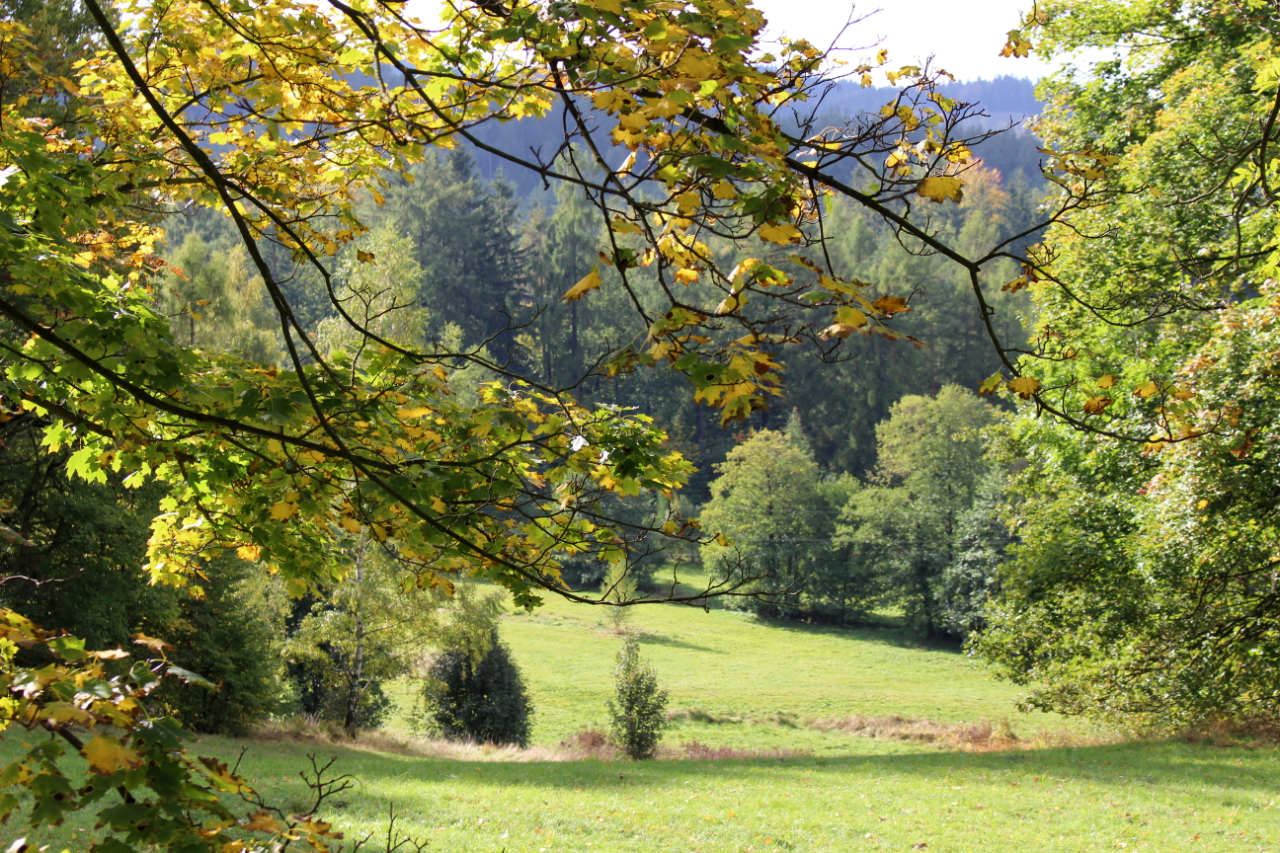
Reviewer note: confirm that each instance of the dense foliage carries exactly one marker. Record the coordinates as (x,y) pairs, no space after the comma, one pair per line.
(1143,588)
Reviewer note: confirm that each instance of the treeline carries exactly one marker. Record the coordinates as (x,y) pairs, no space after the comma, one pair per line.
(920,532)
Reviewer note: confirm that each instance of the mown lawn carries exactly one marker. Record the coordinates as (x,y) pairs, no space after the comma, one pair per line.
(1157,797)
(763,682)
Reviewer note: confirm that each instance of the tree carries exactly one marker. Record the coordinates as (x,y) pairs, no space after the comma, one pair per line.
(462,234)
(766,502)
(287,176)
(919,509)
(638,707)
(473,689)
(1139,590)
(485,702)
(364,632)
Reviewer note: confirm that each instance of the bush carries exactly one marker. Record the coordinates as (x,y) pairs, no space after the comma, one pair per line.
(484,701)
(638,708)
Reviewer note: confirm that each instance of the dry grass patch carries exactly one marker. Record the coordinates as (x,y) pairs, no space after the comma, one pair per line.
(983,736)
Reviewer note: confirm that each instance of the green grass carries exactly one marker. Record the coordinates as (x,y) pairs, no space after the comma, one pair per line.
(733,666)
(848,794)
(1157,797)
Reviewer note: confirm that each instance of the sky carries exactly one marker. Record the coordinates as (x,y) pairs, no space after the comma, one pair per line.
(965,39)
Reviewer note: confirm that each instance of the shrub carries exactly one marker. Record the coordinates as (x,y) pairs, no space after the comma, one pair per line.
(638,709)
(482,700)
(229,637)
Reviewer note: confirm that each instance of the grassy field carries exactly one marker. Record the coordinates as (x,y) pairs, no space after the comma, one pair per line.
(748,674)
(764,684)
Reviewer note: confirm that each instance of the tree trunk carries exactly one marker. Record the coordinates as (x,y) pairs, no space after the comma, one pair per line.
(355,672)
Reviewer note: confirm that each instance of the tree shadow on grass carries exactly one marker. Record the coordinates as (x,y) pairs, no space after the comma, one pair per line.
(1144,765)
(884,633)
(647,639)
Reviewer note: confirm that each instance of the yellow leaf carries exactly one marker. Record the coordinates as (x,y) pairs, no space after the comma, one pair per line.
(633,121)
(1147,389)
(350,525)
(416,412)
(938,188)
(1107,381)
(837,330)
(284,511)
(150,642)
(724,190)
(249,552)
(589,282)
(438,505)
(850,317)
(686,276)
(107,755)
(263,822)
(1024,386)
(882,56)
(890,305)
(1096,405)
(364,257)
(783,235)
(1202,504)
(620,225)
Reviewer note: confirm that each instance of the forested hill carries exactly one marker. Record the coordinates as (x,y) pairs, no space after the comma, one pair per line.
(1004,100)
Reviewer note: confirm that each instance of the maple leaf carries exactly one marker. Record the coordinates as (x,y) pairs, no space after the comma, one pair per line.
(150,642)
(724,190)
(990,384)
(1096,405)
(837,330)
(107,755)
(589,282)
(1106,381)
(283,511)
(1024,386)
(1017,45)
(624,226)
(890,305)
(939,188)
(263,822)
(1147,389)
(783,235)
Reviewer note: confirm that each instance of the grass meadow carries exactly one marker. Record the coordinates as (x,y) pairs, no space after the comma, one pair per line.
(802,700)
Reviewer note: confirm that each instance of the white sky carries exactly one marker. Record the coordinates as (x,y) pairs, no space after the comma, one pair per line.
(965,39)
